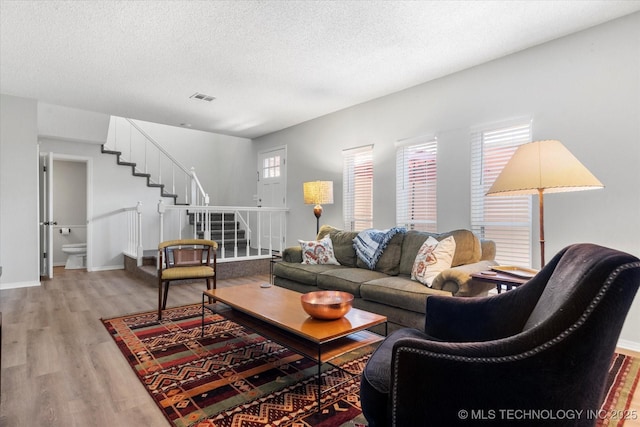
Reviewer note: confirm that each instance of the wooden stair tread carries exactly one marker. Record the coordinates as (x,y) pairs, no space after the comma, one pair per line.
(139,174)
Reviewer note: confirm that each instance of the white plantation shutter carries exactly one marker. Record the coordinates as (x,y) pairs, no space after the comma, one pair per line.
(358,188)
(503,219)
(416,184)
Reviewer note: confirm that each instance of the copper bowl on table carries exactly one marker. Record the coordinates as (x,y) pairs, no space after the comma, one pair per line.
(326,305)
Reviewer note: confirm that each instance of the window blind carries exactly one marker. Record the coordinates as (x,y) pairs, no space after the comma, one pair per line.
(358,188)
(503,219)
(416,184)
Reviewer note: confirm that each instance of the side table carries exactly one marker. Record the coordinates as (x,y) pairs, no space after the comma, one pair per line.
(275,258)
(499,279)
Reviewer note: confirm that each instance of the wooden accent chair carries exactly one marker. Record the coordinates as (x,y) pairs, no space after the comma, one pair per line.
(545,346)
(184,259)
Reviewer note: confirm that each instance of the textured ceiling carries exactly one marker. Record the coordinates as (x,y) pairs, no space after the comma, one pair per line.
(269,64)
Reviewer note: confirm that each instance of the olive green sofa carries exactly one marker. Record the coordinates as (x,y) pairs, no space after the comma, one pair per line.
(388,289)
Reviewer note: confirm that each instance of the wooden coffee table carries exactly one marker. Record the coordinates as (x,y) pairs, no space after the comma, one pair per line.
(277,314)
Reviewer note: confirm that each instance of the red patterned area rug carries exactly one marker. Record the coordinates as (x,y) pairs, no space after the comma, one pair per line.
(622,382)
(233,376)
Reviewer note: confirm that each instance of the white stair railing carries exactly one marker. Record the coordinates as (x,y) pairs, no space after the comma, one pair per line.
(134,247)
(261,232)
(152,160)
(244,232)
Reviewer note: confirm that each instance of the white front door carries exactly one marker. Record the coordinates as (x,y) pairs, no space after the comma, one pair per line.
(272,191)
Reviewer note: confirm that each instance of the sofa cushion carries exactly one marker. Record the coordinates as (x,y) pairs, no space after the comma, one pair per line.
(342,244)
(347,279)
(343,247)
(292,254)
(325,230)
(399,291)
(303,273)
(370,244)
(468,249)
(389,262)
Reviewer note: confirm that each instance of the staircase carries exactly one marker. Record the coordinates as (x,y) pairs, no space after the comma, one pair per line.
(219,222)
(150,183)
(133,147)
(189,208)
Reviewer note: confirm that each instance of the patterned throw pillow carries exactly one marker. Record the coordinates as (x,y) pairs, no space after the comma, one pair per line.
(318,252)
(433,258)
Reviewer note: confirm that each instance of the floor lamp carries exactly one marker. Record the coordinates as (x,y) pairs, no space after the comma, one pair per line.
(318,193)
(542,167)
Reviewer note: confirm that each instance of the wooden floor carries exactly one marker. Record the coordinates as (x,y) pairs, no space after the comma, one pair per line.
(60,367)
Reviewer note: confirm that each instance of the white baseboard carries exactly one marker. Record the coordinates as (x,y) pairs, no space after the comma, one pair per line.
(106,268)
(629,345)
(16,285)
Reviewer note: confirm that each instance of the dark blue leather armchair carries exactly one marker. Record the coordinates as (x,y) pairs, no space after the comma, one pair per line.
(537,355)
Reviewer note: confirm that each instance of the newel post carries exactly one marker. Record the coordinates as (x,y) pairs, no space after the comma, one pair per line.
(193,187)
(161,209)
(139,249)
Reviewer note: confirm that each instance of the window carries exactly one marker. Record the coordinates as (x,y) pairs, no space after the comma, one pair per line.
(505,220)
(416,176)
(357,177)
(271,167)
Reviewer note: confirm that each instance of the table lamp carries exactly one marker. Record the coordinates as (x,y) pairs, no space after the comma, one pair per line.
(318,193)
(543,167)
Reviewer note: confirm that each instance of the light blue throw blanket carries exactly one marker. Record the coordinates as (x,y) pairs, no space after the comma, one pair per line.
(370,244)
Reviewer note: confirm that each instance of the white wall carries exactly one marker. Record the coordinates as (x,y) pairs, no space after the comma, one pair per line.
(221,161)
(583,89)
(18,192)
(113,188)
(71,124)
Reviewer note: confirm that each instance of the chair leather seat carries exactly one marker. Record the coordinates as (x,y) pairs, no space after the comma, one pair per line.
(192,272)
(185,259)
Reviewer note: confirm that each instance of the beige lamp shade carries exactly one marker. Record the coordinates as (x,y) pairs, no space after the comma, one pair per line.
(543,165)
(318,192)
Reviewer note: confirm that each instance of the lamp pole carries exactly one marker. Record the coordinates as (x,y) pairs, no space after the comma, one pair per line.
(541,206)
(317,211)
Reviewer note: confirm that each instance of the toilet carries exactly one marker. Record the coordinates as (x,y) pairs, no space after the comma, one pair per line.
(76,255)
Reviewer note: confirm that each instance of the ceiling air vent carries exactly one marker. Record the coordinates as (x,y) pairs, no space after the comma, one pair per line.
(202,97)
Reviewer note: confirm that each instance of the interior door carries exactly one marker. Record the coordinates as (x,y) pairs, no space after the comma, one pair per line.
(46,215)
(272,178)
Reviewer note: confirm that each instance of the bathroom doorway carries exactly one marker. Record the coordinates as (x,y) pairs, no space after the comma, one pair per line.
(65,193)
